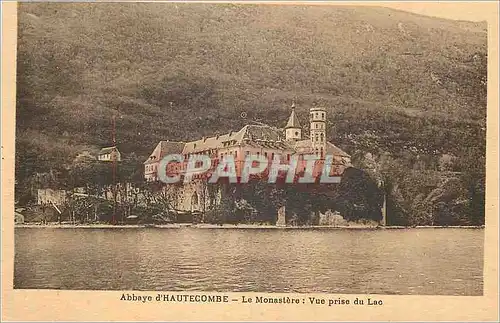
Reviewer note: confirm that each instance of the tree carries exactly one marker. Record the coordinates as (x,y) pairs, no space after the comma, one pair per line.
(359,196)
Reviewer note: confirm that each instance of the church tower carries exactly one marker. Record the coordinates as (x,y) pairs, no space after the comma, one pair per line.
(317,119)
(293,131)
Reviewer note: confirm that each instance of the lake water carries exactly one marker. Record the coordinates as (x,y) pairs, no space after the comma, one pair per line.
(403,261)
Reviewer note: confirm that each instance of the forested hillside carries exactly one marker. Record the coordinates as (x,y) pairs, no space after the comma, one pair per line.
(393,82)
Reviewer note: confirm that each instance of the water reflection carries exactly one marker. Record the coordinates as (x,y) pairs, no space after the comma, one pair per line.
(413,261)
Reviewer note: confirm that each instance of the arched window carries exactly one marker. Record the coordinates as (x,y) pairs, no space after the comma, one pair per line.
(322,137)
(316,137)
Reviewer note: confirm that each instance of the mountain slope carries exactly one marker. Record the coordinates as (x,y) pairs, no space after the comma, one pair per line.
(391,80)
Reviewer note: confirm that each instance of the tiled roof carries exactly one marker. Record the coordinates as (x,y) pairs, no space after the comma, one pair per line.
(260,136)
(172,147)
(255,135)
(334,150)
(293,121)
(165,147)
(304,146)
(106,150)
(262,133)
(205,144)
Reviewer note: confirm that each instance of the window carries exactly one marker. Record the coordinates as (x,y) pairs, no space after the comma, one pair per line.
(265,154)
(296,133)
(247,153)
(316,137)
(322,138)
(323,115)
(317,125)
(272,156)
(288,157)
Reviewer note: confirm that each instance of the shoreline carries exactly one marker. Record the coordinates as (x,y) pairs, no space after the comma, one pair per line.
(231,226)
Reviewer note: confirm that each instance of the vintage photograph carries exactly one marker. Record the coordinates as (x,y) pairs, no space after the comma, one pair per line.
(225,147)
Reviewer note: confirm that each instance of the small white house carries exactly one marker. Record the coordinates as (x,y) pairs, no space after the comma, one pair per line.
(109,154)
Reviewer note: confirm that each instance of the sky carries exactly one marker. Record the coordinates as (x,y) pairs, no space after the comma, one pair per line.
(476,11)
(480,10)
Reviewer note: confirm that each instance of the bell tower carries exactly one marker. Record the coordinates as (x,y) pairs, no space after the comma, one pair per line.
(317,119)
(293,131)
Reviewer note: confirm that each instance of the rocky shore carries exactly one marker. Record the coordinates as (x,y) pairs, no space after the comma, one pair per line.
(223,226)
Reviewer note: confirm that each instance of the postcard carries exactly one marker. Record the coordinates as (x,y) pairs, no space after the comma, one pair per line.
(249,161)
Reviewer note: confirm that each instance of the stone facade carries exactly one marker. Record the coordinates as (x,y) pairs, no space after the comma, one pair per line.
(163,148)
(196,196)
(281,220)
(331,219)
(49,196)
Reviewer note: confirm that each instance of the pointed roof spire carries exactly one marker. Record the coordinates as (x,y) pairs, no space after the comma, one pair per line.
(293,121)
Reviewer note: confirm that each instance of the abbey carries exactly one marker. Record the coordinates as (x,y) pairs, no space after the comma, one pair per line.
(253,139)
